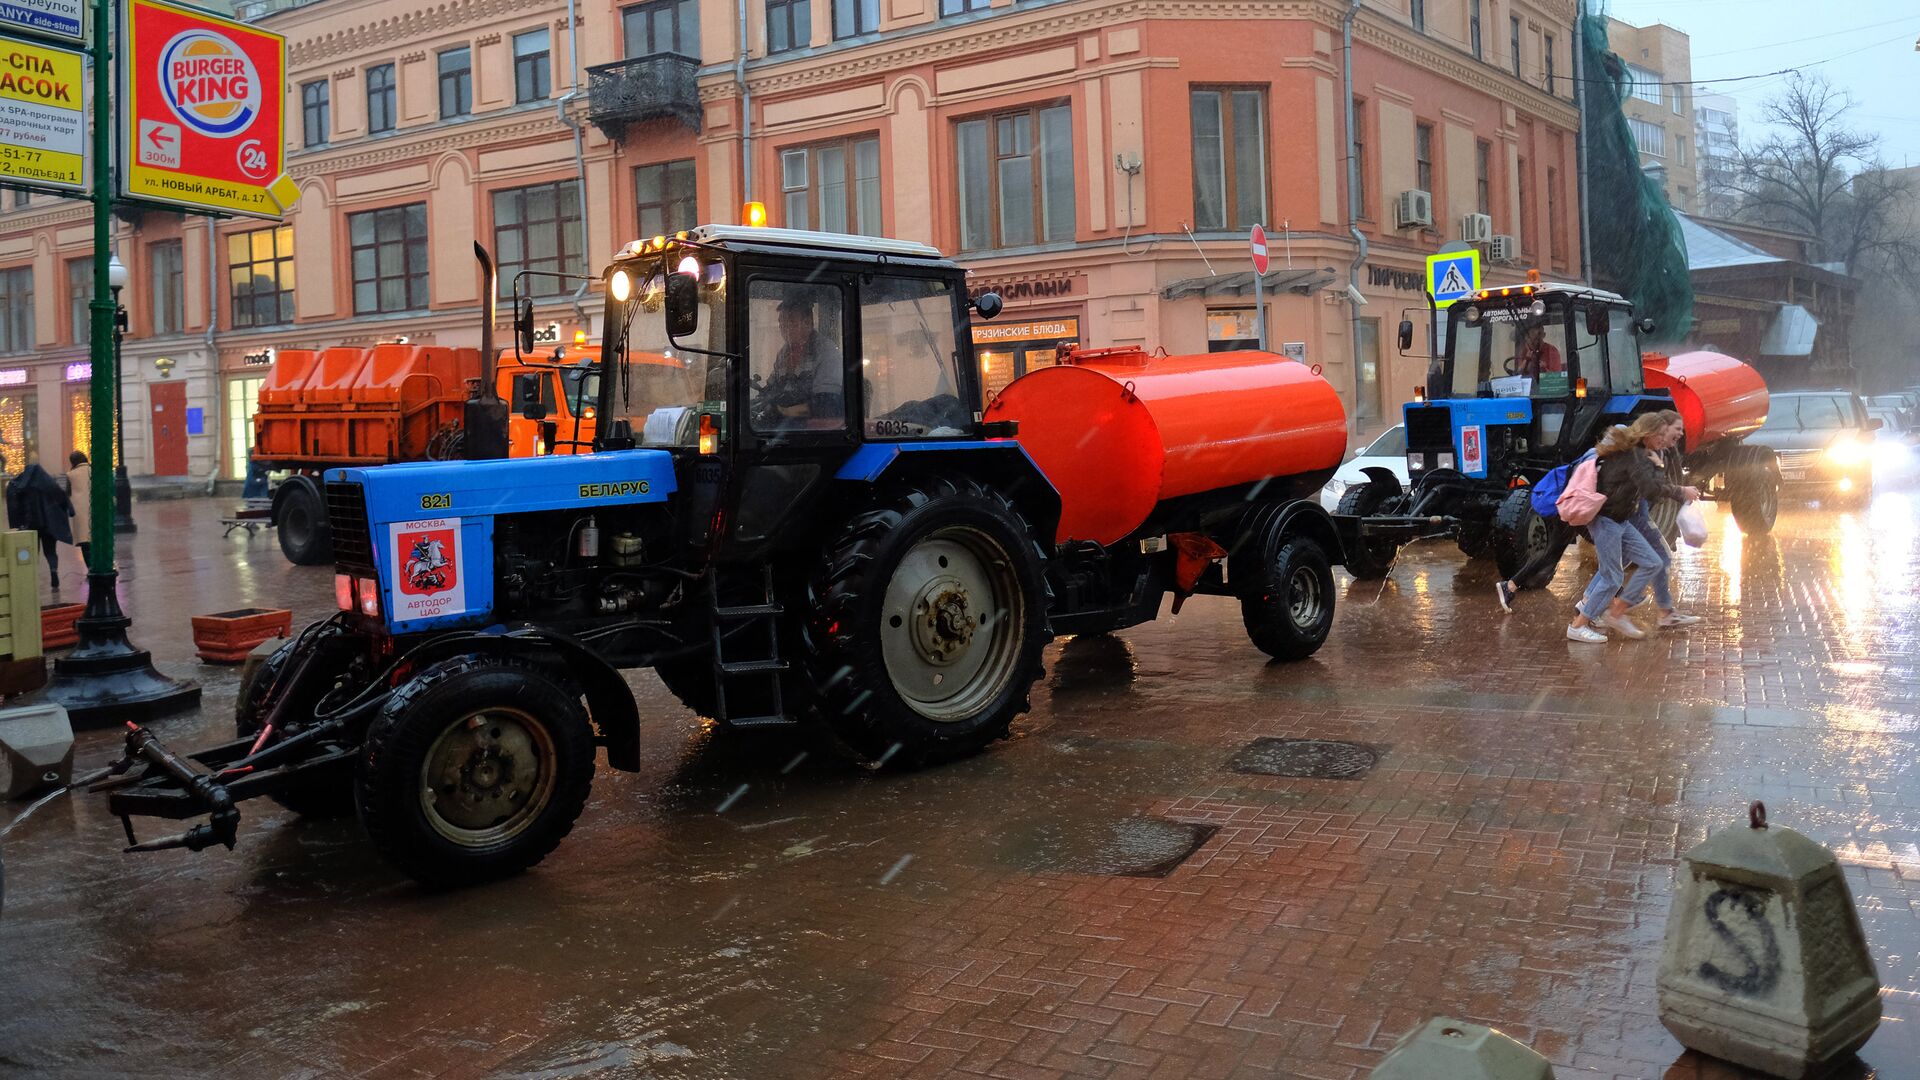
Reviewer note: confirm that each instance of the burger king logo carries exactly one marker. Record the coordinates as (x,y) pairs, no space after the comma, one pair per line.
(209,83)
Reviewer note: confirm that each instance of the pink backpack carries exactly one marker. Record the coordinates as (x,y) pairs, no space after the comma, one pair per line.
(1580,503)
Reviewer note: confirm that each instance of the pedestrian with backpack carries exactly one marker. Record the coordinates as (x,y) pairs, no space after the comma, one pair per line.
(1625,478)
(1537,571)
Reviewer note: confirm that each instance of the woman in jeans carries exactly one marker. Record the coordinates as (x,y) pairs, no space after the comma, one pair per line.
(1629,478)
(1660,445)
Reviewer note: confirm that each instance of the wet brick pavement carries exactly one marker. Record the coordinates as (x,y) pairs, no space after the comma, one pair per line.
(1508,860)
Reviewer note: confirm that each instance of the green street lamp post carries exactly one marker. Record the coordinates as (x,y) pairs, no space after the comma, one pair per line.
(122,487)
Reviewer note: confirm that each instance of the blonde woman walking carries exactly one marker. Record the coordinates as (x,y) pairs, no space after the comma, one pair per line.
(1629,478)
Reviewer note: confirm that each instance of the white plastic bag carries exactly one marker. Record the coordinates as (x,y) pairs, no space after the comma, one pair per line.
(1693,525)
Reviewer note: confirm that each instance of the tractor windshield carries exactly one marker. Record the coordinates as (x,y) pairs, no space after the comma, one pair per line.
(1510,352)
(662,390)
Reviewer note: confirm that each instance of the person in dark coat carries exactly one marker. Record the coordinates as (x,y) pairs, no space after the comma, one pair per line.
(36,501)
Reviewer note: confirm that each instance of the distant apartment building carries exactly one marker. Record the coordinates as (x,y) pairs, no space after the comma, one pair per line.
(1097,162)
(1716,144)
(1660,69)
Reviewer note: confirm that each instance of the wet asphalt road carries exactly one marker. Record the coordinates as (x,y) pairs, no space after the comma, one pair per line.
(1507,856)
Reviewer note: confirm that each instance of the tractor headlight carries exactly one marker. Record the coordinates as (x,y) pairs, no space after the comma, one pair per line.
(1445,459)
(1847,452)
(621,286)
(1416,462)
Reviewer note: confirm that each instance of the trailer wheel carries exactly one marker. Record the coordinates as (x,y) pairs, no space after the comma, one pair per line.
(475,770)
(1518,532)
(1287,602)
(320,796)
(1754,492)
(929,617)
(305,538)
(1369,559)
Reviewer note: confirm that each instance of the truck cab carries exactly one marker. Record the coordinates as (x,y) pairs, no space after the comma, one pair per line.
(552,398)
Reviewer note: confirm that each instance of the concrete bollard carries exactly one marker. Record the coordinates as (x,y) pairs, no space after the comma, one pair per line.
(36,749)
(1765,964)
(1443,1049)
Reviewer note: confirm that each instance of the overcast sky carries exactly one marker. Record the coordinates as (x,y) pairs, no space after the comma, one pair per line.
(1868,49)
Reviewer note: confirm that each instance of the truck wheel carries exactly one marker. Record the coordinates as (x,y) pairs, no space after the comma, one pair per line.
(929,617)
(475,770)
(1287,601)
(1370,559)
(1518,533)
(305,538)
(320,795)
(1475,541)
(1754,492)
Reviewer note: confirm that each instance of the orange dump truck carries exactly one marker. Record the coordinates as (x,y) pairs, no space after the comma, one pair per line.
(353,405)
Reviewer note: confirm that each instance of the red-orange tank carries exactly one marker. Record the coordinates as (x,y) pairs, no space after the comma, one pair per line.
(1715,394)
(1119,431)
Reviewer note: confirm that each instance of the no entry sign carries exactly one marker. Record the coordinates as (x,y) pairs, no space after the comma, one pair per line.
(1258,245)
(43,125)
(202,112)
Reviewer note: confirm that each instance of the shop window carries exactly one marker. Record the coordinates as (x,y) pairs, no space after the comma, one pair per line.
(1368,351)
(260,276)
(833,187)
(18,411)
(389,249)
(79,297)
(538,229)
(665,193)
(16,309)
(1016,178)
(1007,351)
(532,67)
(663,26)
(909,359)
(1232,330)
(314,109)
(794,332)
(243,400)
(167,270)
(1229,157)
(456,82)
(789,25)
(854,17)
(382,111)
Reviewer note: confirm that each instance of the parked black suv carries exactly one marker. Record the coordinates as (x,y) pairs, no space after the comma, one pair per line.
(1824,442)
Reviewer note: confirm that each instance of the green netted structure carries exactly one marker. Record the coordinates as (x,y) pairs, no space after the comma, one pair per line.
(1637,249)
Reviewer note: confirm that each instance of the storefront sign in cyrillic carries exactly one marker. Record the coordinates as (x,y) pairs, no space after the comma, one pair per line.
(1044,330)
(43,128)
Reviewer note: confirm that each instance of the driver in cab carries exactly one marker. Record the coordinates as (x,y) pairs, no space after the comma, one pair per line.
(1537,356)
(807,377)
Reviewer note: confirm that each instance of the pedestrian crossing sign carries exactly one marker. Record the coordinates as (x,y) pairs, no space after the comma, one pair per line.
(1452,275)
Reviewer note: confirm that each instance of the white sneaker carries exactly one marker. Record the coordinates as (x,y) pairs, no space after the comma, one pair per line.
(1674,619)
(1586,634)
(1623,626)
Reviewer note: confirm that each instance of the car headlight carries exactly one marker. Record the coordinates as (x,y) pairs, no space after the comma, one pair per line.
(1337,488)
(1847,452)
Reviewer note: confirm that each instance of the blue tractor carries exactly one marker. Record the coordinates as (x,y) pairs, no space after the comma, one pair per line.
(793,512)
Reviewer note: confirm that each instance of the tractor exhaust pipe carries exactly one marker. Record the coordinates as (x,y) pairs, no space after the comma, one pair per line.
(486,417)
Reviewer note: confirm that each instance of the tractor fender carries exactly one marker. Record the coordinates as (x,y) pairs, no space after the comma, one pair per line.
(1002,464)
(1383,477)
(610,701)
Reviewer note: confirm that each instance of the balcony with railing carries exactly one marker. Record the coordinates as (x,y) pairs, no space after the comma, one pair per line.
(658,86)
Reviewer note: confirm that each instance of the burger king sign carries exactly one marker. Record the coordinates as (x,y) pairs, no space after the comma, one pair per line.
(204,112)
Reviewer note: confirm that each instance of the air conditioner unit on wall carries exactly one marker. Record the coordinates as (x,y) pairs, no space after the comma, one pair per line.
(1415,208)
(1476,228)
(1503,249)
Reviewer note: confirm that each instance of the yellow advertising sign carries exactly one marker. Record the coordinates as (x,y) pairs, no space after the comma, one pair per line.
(43,128)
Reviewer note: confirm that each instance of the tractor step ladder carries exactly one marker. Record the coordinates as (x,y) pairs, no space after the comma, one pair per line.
(746,656)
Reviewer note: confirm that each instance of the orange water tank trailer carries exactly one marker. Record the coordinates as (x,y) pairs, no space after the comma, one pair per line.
(1119,431)
(1715,394)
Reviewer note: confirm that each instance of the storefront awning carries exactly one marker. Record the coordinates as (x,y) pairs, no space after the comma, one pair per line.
(1791,333)
(1241,284)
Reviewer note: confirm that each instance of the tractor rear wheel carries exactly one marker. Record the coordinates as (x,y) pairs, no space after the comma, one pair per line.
(929,617)
(1753,489)
(1518,533)
(324,795)
(475,770)
(1369,559)
(305,538)
(1286,598)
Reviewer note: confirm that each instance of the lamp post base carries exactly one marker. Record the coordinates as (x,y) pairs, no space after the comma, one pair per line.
(123,501)
(106,681)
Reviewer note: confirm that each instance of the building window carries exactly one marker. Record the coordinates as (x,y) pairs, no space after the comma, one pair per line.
(666,197)
(789,25)
(1016,178)
(1675,98)
(260,276)
(314,99)
(1523,208)
(1546,56)
(1553,213)
(1229,158)
(1643,83)
(456,82)
(20,198)
(854,17)
(538,229)
(381,113)
(1648,138)
(79,295)
(389,259)
(817,191)
(532,67)
(1513,42)
(1423,157)
(1417,12)
(167,267)
(960,7)
(1232,330)
(1473,29)
(1483,176)
(664,26)
(1359,158)
(16,310)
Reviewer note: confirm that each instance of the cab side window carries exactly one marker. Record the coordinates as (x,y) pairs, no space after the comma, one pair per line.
(1623,354)
(1588,360)
(909,359)
(794,335)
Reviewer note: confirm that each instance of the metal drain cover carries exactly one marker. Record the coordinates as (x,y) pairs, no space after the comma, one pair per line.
(1128,847)
(1315,759)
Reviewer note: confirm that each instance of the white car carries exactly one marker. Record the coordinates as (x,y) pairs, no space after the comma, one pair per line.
(1388,452)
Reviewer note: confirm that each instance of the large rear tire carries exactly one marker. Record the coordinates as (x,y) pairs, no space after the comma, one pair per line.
(323,795)
(1286,597)
(929,617)
(1753,490)
(1518,533)
(1369,559)
(305,537)
(475,770)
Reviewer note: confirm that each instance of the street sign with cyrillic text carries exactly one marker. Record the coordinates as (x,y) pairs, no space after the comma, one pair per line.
(43,123)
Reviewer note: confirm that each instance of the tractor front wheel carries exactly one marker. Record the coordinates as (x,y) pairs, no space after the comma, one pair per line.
(1519,533)
(475,770)
(1369,559)
(929,617)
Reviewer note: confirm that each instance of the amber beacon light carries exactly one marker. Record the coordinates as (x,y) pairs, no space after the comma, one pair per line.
(754,215)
